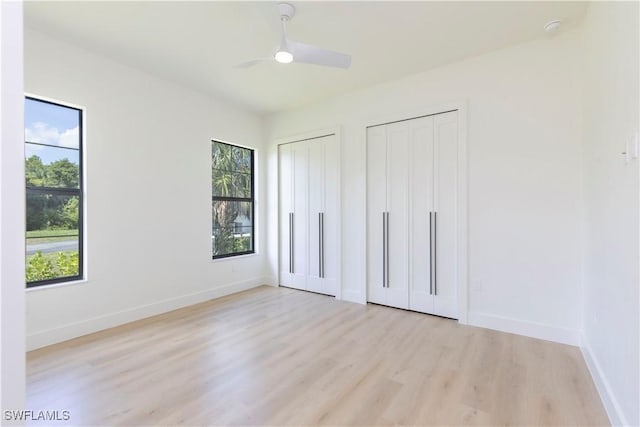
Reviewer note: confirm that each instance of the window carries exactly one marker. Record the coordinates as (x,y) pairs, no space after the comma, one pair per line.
(53,178)
(233,200)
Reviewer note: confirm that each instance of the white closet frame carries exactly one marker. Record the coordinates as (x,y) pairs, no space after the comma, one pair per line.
(303,137)
(462,177)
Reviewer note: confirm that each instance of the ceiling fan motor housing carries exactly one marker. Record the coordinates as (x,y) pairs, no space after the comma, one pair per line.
(286,11)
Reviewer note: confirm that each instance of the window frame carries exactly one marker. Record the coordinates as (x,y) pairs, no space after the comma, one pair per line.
(63,191)
(251,200)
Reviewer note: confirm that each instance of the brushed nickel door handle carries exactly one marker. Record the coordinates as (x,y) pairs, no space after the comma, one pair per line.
(321,244)
(291,242)
(387,253)
(435,253)
(430,253)
(384,249)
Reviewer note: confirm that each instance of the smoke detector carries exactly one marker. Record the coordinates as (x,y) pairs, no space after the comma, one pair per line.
(553,26)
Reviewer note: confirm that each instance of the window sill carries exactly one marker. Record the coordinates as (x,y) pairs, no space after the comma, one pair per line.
(237,257)
(56,285)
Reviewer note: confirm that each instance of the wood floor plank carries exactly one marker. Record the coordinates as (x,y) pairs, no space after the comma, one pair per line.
(277,356)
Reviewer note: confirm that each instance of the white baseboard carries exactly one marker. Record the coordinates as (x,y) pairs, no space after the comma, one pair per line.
(529,329)
(353,296)
(95,324)
(271,281)
(611,404)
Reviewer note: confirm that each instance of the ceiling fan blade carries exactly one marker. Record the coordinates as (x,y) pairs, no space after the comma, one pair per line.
(250,64)
(308,54)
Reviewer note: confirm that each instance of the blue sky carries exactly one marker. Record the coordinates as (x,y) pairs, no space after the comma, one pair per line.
(54,125)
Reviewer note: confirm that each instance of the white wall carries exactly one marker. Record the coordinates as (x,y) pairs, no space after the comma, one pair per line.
(612,189)
(524,147)
(148,197)
(12,342)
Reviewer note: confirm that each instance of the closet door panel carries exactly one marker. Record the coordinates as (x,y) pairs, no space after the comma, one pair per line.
(285,184)
(446,147)
(376,208)
(420,216)
(300,211)
(316,207)
(331,241)
(398,214)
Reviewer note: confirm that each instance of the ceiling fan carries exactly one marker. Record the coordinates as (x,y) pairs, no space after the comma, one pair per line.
(292,51)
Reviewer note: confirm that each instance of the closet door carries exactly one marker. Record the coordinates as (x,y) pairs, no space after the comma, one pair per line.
(387,214)
(412,214)
(376,214)
(421,187)
(300,158)
(398,214)
(316,195)
(293,230)
(323,214)
(309,201)
(445,242)
(330,219)
(285,184)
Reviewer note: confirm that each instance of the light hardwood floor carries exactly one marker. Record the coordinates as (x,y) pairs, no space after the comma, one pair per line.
(275,356)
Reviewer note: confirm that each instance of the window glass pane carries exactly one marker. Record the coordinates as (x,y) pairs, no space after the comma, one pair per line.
(231,171)
(242,160)
(52,236)
(51,124)
(222,183)
(232,227)
(51,166)
(242,185)
(222,157)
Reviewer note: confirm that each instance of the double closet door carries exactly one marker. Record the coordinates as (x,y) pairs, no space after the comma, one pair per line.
(308,214)
(411,214)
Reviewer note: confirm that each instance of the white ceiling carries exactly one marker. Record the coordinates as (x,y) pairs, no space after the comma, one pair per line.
(197,44)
